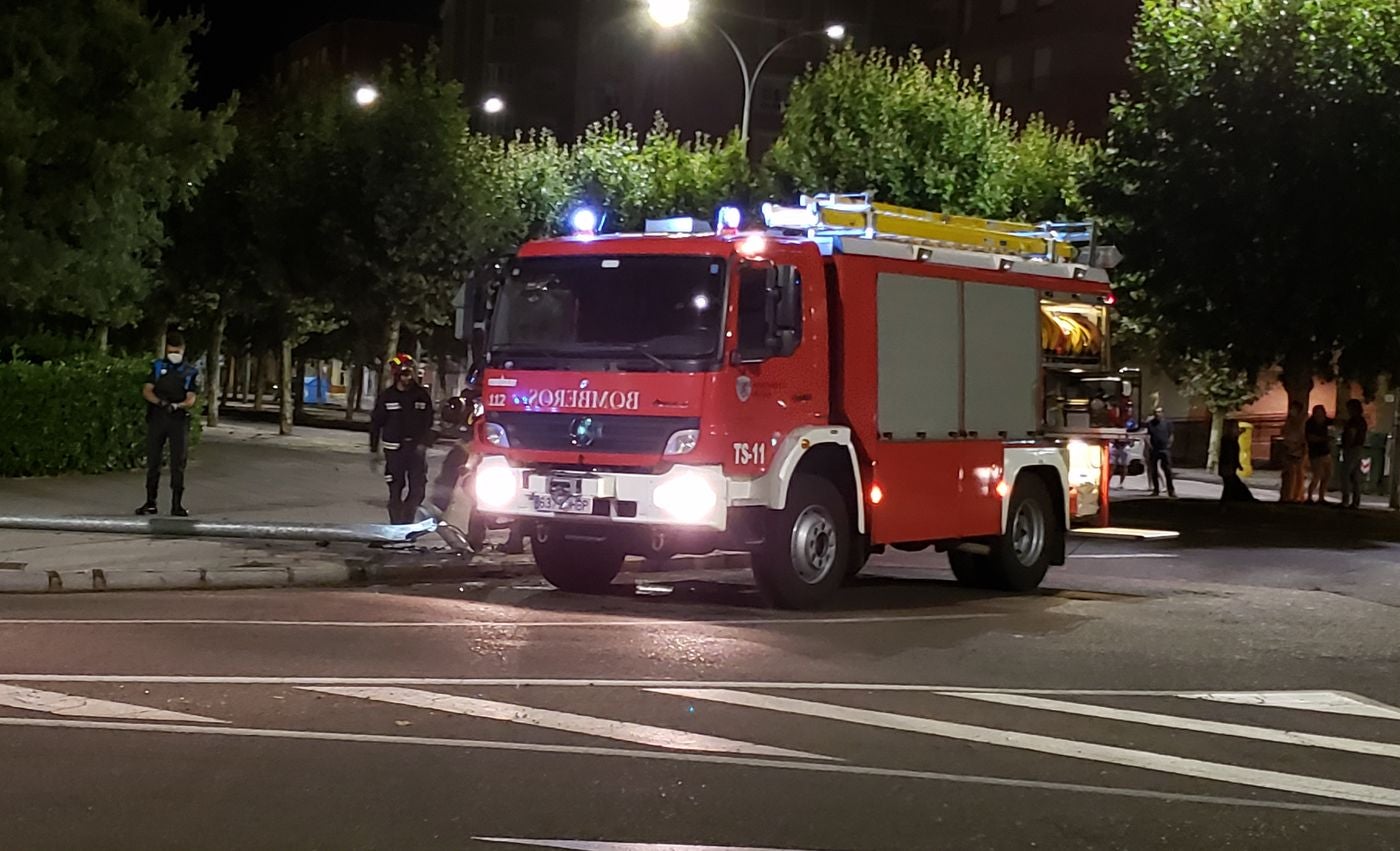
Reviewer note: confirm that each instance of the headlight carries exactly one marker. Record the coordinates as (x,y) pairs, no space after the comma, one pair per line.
(495,434)
(496,484)
(1085,462)
(682,442)
(687,497)
(478,409)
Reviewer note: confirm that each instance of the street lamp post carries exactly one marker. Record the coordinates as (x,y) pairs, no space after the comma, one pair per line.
(670,14)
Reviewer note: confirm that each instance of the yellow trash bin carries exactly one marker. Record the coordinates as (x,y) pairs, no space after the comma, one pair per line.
(1246,449)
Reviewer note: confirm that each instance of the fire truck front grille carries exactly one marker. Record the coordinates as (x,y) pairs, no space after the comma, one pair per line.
(600,433)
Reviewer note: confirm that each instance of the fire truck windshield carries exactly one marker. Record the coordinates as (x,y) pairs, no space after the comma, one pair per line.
(644,313)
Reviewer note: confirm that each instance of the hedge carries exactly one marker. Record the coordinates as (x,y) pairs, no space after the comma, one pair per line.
(79,416)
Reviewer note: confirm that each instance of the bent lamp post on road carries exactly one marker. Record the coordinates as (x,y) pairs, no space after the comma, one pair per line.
(365,533)
(670,14)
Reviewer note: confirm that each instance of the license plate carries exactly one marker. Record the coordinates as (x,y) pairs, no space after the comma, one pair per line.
(563,505)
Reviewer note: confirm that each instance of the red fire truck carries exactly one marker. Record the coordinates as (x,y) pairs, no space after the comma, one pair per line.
(855,376)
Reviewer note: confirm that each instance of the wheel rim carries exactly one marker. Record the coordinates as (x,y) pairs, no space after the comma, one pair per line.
(1028,533)
(813,544)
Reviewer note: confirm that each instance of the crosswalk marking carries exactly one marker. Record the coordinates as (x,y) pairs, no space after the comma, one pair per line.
(1316,701)
(580,845)
(56,703)
(1177,722)
(1147,760)
(622,731)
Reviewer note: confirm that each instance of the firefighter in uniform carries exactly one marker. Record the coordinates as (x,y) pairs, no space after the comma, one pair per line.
(402,423)
(170,393)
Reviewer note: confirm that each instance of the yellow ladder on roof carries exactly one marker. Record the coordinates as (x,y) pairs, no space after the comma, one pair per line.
(858,212)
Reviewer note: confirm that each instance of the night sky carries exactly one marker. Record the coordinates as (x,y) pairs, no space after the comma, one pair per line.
(244,34)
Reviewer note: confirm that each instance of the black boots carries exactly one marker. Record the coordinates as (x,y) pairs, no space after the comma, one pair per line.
(148,507)
(177,507)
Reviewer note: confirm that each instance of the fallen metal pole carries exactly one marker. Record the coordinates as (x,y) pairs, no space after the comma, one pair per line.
(179,527)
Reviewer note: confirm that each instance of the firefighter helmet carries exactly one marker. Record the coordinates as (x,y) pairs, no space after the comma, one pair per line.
(401,364)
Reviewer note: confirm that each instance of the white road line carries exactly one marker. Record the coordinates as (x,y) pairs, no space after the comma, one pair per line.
(706,759)
(54,703)
(1316,701)
(1123,555)
(1177,722)
(646,622)
(1277,780)
(604,728)
(581,682)
(577,845)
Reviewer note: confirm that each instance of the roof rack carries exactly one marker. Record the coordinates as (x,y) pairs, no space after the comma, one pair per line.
(859,215)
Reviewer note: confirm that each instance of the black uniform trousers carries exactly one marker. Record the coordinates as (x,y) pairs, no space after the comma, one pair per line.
(406,466)
(163,427)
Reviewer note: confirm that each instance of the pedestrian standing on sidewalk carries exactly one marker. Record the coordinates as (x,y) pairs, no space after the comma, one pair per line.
(1292,487)
(1160,438)
(1234,489)
(1318,434)
(402,423)
(170,392)
(1353,445)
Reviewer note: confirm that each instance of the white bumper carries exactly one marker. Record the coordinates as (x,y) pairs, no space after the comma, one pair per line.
(692,497)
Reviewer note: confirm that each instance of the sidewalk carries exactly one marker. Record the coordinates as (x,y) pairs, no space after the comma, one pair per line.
(240,471)
(1197,483)
(330,416)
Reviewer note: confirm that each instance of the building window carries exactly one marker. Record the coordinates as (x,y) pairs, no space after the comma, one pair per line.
(1007,7)
(1040,69)
(1001,77)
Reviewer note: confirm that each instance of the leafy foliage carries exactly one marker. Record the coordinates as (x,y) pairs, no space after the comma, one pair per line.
(84,415)
(1253,127)
(96,146)
(921,136)
(657,174)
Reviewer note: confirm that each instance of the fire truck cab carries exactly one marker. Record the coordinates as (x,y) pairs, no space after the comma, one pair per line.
(855,376)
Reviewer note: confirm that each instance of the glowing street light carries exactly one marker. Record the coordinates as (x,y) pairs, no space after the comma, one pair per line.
(493,105)
(366,96)
(669,13)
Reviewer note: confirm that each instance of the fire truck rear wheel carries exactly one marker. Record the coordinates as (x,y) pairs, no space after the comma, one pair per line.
(579,565)
(807,549)
(1020,557)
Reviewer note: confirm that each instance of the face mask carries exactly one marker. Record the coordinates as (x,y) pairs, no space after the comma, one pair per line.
(175,357)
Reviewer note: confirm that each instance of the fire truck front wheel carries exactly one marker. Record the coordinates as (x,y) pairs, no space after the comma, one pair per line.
(581,564)
(806,551)
(1020,556)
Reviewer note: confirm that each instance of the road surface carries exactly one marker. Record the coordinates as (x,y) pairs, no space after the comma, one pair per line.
(1153,697)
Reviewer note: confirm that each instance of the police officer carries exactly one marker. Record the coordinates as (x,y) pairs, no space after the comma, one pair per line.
(402,423)
(170,394)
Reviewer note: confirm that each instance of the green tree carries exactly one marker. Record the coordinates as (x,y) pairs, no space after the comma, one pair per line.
(921,136)
(95,145)
(1220,387)
(658,174)
(1242,174)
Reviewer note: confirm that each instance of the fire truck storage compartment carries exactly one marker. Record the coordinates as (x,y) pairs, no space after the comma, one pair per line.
(956,359)
(920,356)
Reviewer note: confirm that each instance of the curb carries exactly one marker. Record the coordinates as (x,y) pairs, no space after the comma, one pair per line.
(323,575)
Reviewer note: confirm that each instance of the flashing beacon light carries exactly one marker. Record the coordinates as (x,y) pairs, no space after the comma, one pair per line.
(753,246)
(584,221)
(728,220)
